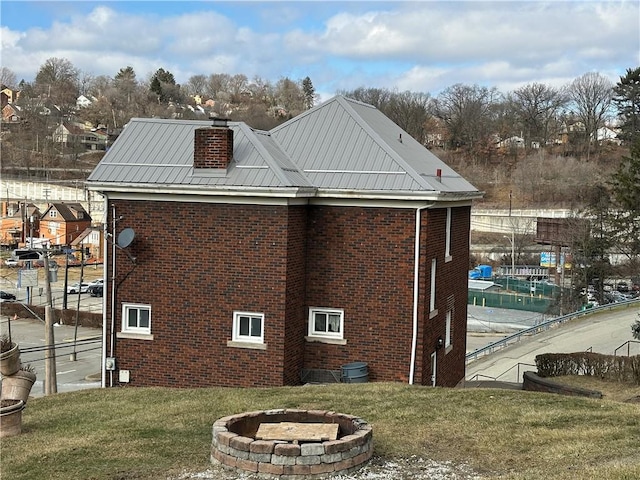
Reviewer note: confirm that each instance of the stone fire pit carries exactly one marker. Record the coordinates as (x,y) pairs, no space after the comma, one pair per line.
(287,443)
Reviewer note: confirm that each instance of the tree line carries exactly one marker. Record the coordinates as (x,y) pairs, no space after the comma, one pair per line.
(468,118)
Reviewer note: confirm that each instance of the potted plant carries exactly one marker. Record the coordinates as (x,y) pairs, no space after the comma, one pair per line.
(18,386)
(9,356)
(10,417)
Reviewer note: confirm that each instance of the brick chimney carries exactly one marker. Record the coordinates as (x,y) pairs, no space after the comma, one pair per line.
(213,146)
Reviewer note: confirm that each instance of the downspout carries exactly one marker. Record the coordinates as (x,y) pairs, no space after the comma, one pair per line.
(113,289)
(416,270)
(103,381)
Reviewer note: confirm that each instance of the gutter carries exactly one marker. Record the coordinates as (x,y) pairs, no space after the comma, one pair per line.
(416,270)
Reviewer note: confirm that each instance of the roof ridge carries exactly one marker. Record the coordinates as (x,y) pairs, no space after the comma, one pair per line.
(271,162)
(381,142)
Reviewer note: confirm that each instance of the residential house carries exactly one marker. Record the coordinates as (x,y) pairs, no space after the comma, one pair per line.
(83,101)
(61,223)
(12,113)
(265,258)
(8,95)
(88,245)
(19,221)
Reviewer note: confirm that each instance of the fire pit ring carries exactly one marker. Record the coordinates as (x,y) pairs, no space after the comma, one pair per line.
(235,445)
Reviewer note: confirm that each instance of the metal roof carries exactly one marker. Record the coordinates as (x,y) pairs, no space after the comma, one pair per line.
(339,146)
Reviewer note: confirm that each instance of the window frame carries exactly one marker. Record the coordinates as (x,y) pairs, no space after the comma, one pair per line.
(126,308)
(447,329)
(311,331)
(237,337)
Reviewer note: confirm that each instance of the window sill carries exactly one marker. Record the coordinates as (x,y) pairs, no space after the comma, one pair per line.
(332,341)
(448,349)
(134,336)
(433,314)
(254,346)
(448,259)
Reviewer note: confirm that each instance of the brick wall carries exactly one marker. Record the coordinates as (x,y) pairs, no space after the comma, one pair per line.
(361,260)
(197,263)
(451,294)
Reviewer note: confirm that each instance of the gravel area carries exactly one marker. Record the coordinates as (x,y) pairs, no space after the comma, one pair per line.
(412,468)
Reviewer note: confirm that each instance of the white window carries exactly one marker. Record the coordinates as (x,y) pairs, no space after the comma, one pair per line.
(53,213)
(136,318)
(324,322)
(447,240)
(248,327)
(432,295)
(447,334)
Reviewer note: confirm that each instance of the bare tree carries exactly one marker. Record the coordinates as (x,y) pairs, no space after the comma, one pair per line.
(57,80)
(591,96)
(536,106)
(411,111)
(196,85)
(217,83)
(290,96)
(7,77)
(467,111)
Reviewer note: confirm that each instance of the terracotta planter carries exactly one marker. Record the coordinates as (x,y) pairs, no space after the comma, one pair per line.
(10,361)
(11,417)
(18,386)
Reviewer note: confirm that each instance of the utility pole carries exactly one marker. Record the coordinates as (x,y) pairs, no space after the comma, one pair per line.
(50,382)
(50,354)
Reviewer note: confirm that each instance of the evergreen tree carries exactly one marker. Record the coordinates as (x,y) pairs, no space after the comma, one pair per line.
(627,100)
(309,93)
(625,195)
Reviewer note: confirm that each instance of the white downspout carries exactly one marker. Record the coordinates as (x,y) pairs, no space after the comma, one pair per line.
(113,289)
(105,259)
(416,270)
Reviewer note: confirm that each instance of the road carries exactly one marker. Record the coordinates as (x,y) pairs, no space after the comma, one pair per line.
(602,332)
(78,352)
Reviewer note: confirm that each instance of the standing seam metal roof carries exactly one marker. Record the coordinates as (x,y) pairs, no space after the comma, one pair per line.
(339,145)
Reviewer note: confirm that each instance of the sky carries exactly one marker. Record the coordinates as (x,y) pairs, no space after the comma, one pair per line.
(420,46)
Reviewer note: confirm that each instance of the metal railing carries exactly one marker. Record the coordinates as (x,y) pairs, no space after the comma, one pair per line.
(499,378)
(542,327)
(625,344)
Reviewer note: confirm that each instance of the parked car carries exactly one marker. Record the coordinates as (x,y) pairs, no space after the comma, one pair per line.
(94,286)
(6,296)
(78,288)
(10,262)
(622,287)
(96,290)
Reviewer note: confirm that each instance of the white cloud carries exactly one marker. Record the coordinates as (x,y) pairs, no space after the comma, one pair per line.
(418,46)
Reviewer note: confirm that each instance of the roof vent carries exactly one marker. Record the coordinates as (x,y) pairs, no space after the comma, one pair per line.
(219,122)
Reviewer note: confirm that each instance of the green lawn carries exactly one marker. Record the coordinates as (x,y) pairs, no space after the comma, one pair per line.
(143,433)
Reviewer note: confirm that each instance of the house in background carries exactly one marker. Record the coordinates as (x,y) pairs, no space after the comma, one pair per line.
(12,113)
(61,223)
(88,245)
(19,221)
(264,258)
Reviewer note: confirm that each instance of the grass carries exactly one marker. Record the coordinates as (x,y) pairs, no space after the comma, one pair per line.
(148,433)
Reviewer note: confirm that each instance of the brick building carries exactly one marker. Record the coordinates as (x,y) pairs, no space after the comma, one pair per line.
(253,258)
(61,223)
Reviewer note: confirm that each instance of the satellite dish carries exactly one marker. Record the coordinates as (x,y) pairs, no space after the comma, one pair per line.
(126,237)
